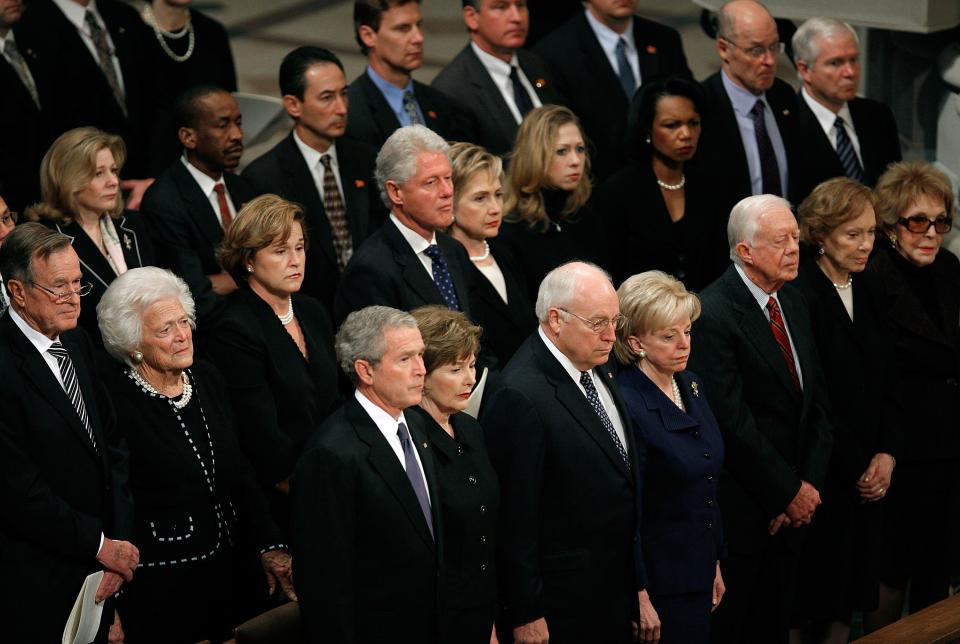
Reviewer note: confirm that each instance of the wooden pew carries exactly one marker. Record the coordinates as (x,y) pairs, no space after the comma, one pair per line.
(937,624)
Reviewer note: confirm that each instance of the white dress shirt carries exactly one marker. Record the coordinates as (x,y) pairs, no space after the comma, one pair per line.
(206,187)
(76,15)
(317,170)
(500,75)
(417,243)
(827,120)
(608,39)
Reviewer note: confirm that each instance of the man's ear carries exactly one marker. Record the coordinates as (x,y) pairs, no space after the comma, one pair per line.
(364,371)
(293,105)
(367,36)
(188,137)
(393,193)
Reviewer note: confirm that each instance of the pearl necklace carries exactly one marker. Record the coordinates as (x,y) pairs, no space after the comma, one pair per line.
(287,317)
(677,400)
(160,33)
(185,397)
(845,286)
(673,186)
(486,253)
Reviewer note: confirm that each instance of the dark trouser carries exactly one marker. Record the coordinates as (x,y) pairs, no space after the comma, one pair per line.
(684,618)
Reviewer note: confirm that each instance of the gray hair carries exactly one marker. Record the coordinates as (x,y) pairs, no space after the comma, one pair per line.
(361,336)
(806,40)
(745,220)
(25,242)
(120,311)
(559,287)
(397,159)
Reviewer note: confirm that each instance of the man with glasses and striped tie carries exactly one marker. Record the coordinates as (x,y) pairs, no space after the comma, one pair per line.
(65,511)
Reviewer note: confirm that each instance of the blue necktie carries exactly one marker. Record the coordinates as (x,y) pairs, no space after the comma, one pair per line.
(848,157)
(442,277)
(769,168)
(594,398)
(413,474)
(627,80)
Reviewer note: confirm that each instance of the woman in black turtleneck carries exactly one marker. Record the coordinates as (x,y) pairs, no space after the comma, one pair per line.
(915,288)
(549,221)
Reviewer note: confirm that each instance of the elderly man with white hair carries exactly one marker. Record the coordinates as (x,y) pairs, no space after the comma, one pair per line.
(756,353)
(842,134)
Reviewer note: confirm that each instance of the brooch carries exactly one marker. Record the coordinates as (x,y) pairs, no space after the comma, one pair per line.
(786,112)
(424,446)
(127,242)
(695,388)
(540,83)
(359,183)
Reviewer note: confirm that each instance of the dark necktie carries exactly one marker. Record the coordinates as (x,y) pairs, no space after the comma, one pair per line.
(769,168)
(72,386)
(520,96)
(442,277)
(225,217)
(783,341)
(105,58)
(594,398)
(627,80)
(414,475)
(23,71)
(846,153)
(336,214)
(410,107)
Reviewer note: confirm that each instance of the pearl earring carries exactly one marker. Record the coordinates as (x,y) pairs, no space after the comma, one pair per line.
(821,251)
(137,357)
(641,354)
(249,269)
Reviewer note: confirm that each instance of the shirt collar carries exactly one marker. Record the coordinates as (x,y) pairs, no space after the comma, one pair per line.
(76,13)
(41,342)
(383,420)
(206,183)
(496,67)
(742,100)
(311,156)
(391,92)
(417,243)
(761,296)
(9,37)
(825,115)
(608,37)
(564,361)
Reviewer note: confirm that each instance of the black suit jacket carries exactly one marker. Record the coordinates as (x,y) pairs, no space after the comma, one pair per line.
(818,160)
(80,92)
(371,120)
(584,76)
(58,493)
(365,562)
(467,81)
(185,230)
(775,436)
(284,172)
(568,513)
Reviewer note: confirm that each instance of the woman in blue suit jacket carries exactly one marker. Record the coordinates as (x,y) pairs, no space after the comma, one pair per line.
(680,452)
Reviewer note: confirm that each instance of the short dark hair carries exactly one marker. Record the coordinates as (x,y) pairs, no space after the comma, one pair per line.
(294,68)
(644,108)
(369,13)
(186,107)
(472,3)
(24,243)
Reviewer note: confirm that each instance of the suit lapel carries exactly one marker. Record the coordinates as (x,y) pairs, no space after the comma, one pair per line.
(802,341)
(95,266)
(869,154)
(820,147)
(414,274)
(354,179)
(380,110)
(488,95)
(130,244)
(301,183)
(199,206)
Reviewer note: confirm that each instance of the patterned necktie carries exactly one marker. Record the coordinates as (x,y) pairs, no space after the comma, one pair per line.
(783,341)
(336,214)
(105,58)
(414,475)
(72,386)
(627,80)
(594,398)
(769,168)
(225,217)
(410,107)
(442,277)
(846,153)
(23,71)
(520,96)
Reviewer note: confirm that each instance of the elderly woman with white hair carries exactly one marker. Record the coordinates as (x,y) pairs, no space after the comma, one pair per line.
(200,516)
(681,534)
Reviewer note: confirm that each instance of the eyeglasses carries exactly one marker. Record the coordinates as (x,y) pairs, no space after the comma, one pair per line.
(9,219)
(920,224)
(62,296)
(758,51)
(598,325)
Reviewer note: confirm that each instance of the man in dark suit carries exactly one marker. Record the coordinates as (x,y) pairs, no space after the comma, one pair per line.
(748,142)
(409,261)
(195,199)
(599,58)
(560,439)
(65,508)
(366,529)
(492,78)
(331,177)
(385,96)
(840,133)
(756,353)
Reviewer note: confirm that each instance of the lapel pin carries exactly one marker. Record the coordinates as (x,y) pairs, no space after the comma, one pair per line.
(127,241)
(431,114)
(540,83)
(651,49)
(359,183)
(695,388)
(121,30)
(424,446)
(786,112)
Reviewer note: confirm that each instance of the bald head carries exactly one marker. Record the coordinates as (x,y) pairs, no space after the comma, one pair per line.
(747,43)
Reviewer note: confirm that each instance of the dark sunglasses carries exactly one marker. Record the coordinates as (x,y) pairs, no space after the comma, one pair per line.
(920,224)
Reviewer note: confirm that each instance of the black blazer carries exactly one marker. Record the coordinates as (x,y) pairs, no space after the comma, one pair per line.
(365,562)
(584,76)
(775,436)
(818,161)
(467,81)
(371,120)
(59,494)
(280,398)
(186,232)
(284,172)
(568,506)
(385,270)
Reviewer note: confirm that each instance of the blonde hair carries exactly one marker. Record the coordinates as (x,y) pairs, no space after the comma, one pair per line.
(905,182)
(530,161)
(650,301)
(466,160)
(67,169)
(831,204)
(258,224)
(448,336)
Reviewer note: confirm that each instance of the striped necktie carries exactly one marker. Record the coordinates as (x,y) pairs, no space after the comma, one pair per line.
(72,386)
(783,340)
(846,153)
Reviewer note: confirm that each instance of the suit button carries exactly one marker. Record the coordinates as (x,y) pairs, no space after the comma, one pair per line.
(483,538)
(483,567)
(696,434)
(709,477)
(483,509)
(709,503)
(706,454)
(459,449)
(709,526)
(472,480)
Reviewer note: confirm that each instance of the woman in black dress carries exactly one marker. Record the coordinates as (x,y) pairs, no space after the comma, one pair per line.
(273,345)
(840,561)
(200,520)
(469,491)
(657,209)
(549,221)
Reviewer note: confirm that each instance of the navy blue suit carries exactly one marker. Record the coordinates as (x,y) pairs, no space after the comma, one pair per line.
(680,454)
